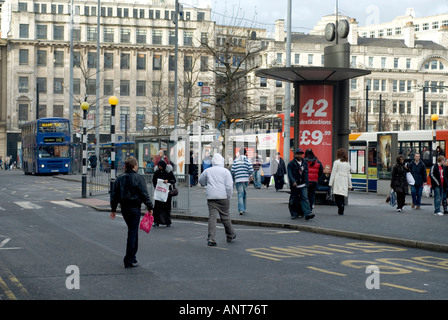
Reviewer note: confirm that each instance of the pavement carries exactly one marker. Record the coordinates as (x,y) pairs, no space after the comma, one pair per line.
(367,216)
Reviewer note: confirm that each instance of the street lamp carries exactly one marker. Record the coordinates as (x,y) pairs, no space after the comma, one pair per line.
(85,108)
(113,101)
(434,118)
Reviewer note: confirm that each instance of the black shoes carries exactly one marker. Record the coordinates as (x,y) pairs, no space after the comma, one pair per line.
(131,265)
(211,243)
(309,217)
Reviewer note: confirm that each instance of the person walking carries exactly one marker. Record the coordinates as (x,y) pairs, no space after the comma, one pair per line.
(93,163)
(340,179)
(278,170)
(130,192)
(399,182)
(315,171)
(257,162)
(298,180)
(162,210)
(418,170)
(438,183)
(219,190)
(266,168)
(241,171)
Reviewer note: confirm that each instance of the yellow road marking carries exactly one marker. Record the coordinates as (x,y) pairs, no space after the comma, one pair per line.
(402,287)
(7,291)
(327,271)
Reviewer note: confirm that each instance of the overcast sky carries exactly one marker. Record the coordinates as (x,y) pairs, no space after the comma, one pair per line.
(306,13)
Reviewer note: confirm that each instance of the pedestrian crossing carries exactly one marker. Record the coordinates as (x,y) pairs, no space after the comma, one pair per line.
(27,205)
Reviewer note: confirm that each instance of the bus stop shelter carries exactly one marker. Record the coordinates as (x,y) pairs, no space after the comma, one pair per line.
(321,106)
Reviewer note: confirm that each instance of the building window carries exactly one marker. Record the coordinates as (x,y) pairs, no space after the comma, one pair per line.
(76,59)
(141,88)
(92,33)
(156,88)
(124,118)
(278,104)
(23,84)
(23,6)
(156,37)
(188,38)
(41,58)
(426,26)
(42,111)
(297,58)
(157,62)
(370,62)
(141,61)
(41,32)
(77,86)
(204,63)
(263,82)
(91,87)
(23,113)
(23,57)
(108,60)
(58,58)
(108,35)
(263,103)
(396,63)
(108,87)
(124,61)
(141,36)
(124,87)
(58,111)
(171,63)
(24,31)
(58,32)
(125,36)
(278,83)
(435,25)
(58,85)
(140,119)
(383,62)
(188,63)
(310,59)
(91,60)
(172,38)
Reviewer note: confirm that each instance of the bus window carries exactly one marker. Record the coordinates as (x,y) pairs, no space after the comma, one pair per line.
(425,153)
(278,124)
(373,155)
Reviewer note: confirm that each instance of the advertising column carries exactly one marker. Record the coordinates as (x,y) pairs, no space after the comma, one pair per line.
(315,121)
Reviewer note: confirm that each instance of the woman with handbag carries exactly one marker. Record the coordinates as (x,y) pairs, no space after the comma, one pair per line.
(341,179)
(399,182)
(162,210)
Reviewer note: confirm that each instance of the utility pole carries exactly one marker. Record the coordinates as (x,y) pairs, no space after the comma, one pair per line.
(287,108)
(97,104)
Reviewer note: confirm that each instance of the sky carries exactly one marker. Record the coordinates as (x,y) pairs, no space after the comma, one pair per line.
(306,13)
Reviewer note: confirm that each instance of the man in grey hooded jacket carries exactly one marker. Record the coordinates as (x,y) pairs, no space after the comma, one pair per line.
(219,184)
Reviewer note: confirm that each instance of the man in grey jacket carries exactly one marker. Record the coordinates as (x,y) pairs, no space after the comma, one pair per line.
(219,184)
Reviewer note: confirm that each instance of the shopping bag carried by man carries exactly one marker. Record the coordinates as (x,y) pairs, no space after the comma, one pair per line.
(147,222)
(161,191)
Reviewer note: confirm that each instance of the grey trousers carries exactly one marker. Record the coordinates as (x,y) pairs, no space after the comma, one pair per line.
(220,207)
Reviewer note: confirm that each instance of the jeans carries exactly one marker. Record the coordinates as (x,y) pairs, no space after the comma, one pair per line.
(257,179)
(132,218)
(241,188)
(416,192)
(299,196)
(439,195)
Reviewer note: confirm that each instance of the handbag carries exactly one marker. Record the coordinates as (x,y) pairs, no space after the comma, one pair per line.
(426,190)
(173,191)
(147,222)
(161,191)
(410,178)
(393,198)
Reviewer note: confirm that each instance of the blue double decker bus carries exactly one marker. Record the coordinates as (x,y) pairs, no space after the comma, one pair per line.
(46,146)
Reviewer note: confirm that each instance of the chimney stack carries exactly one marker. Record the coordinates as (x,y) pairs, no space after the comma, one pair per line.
(279,30)
(353,34)
(409,34)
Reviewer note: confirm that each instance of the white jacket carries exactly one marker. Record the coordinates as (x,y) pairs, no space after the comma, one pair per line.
(218,180)
(341,178)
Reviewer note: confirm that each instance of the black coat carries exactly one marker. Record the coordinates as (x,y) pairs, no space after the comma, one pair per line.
(399,182)
(130,191)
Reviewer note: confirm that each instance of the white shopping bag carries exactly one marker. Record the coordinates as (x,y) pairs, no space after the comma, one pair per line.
(161,191)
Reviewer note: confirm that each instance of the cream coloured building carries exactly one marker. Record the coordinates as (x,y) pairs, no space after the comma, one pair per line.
(136,63)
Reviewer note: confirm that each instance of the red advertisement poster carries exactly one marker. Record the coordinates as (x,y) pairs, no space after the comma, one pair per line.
(316,116)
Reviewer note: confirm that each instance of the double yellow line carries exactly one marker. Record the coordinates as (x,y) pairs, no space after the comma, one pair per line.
(10,278)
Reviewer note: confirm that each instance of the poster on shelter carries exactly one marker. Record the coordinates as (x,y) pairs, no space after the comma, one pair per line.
(316,121)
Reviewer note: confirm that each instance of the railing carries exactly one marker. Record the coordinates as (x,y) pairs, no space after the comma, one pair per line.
(99,183)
